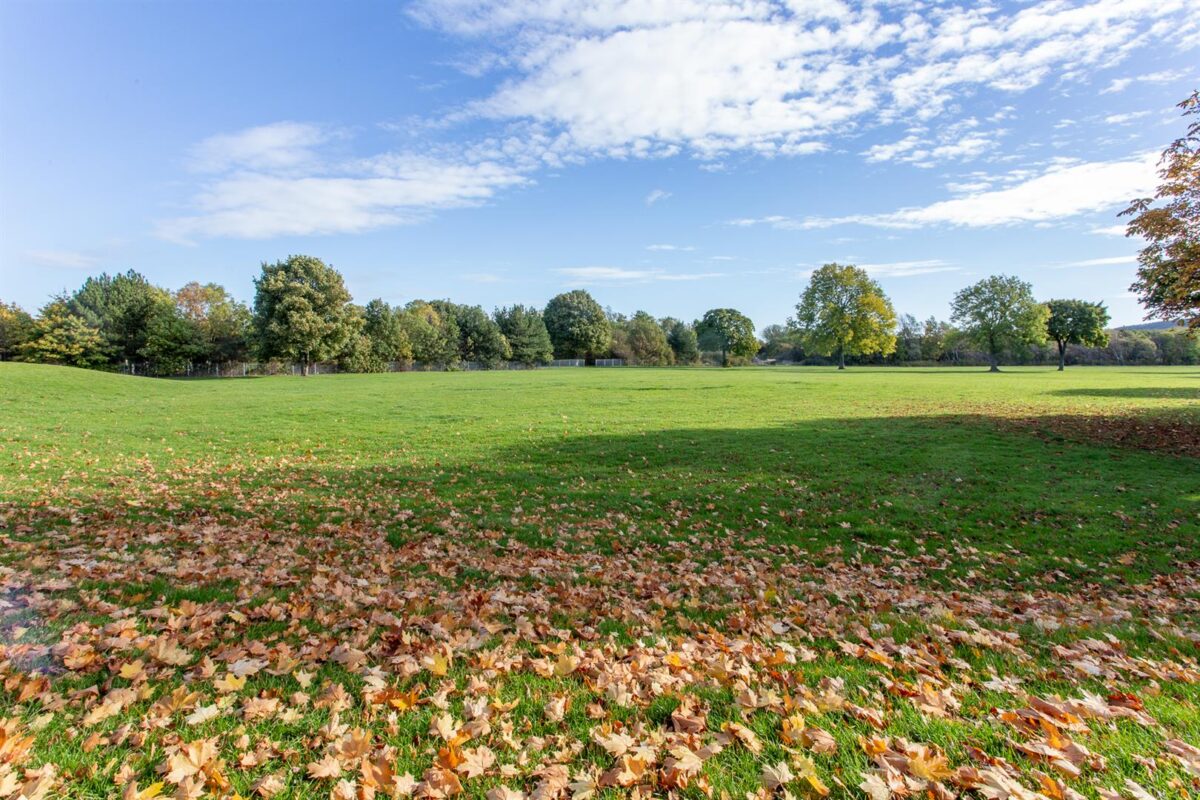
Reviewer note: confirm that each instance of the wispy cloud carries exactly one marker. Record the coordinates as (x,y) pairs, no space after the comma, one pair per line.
(1126,118)
(1058,193)
(763,78)
(270,181)
(592,275)
(777,77)
(904,269)
(1099,262)
(666,248)
(482,277)
(1121,84)
(274,147)
(922,147)
(61,259)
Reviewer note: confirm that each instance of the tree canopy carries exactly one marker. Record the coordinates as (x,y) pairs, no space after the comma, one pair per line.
(1168,283)
(844,312)
(302,311)
(62,337)
(172,341)
(647,341)
(682,338)
(16,326)
(120,308)
(479,337)
(223,322)
(1076,322)
(999,314)
(577,325)
(526,333)
(728,331)
(380,341)
(384,327)
(434,335)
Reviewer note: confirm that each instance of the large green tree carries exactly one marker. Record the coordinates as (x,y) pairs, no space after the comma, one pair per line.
(302,311)
(1168,283)
(577,325)
(728,331)
(999,314)
(526,333)
(479,337)
(844,312)
(173,341)
(1076,322)
(386,336)
(682,338)
(647,341)
(434,336)
(120,307)
(61,337)
(16,326)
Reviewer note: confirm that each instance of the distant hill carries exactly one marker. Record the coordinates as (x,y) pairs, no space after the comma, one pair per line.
(1149,326)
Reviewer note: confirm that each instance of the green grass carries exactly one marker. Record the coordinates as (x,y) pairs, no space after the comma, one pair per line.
(809,457)
(621,506)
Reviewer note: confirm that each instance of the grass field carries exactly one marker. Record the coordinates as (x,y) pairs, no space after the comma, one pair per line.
(601,582)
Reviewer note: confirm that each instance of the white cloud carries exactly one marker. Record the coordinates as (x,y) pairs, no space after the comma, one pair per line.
(960,187)
(271,182)
(1121,84)
(62,259)
(586,275)
(903,269)
(1061,192)
(1110,230)
(1101,262)
(580,79)
(1117,85)
(913,149)
(1125,119)
(482,277)
(658,248)
(644,78)
(278,146)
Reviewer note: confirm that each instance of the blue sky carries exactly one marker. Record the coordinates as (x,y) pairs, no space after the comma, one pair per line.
(666,156)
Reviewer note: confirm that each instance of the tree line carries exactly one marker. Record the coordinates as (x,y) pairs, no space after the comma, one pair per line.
(302,313)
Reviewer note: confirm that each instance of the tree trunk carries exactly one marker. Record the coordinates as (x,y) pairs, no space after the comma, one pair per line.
(995,363)
(1062,356)
(841,358)
(724,358)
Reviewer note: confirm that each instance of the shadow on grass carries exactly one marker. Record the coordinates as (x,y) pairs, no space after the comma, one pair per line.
(1156,393)
(905,483)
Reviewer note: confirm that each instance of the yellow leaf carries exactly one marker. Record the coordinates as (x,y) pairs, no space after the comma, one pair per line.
(131,670)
